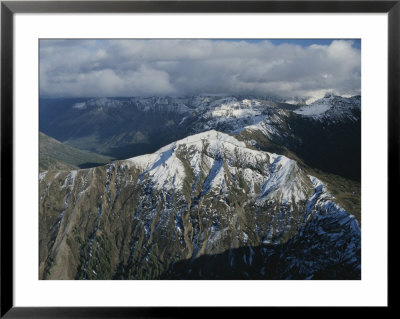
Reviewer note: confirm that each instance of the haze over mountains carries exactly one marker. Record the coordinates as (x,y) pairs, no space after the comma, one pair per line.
(205,187)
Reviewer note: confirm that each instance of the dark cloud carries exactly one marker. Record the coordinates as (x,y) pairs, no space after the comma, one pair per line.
(77,68)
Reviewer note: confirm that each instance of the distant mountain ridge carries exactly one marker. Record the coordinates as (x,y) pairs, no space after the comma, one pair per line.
(332,108)
(126,127)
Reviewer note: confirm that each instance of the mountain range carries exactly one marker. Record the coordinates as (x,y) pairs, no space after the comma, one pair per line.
(325,134)
(204,187)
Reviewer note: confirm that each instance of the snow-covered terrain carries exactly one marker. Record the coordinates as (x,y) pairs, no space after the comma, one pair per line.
(275,176)
(332,108)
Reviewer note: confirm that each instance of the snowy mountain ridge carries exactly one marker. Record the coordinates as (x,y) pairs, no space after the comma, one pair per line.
(230,114)
(331,107)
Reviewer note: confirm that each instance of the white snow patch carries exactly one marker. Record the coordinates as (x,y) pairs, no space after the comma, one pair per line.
(70,179)
(313,109)
(42,175)
(284,182)
(245,237)
(81,105)
(333,108)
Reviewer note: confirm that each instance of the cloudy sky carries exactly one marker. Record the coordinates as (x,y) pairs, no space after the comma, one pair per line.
(285,68)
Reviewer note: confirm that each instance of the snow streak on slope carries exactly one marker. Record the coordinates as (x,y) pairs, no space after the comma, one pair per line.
(285,182)
(322,204)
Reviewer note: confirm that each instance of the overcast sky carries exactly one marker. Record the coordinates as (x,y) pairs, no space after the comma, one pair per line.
(98,68)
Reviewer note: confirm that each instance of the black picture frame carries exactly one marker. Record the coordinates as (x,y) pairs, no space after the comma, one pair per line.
(9,8)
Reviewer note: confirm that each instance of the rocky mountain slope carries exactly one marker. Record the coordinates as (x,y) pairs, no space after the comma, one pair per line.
(56,155)
(208,206)
(329,141)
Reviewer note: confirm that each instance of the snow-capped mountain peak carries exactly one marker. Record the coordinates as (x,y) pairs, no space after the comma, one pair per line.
(331,107)
(221,156)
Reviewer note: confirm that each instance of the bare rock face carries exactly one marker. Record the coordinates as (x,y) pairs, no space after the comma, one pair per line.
(208,206)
